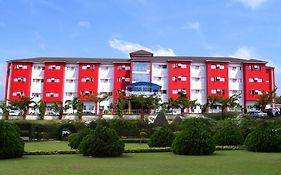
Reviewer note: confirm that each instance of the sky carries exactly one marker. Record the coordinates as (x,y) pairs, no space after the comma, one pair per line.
(113,28)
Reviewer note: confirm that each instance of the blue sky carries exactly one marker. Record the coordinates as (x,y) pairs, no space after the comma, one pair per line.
(113,28)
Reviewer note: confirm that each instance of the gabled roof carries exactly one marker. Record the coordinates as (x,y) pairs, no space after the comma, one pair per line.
(141,53)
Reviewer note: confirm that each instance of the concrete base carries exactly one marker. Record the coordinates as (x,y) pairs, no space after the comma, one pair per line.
(32,117)
(51,117)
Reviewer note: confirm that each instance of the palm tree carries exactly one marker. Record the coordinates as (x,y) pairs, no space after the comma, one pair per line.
(72,104)
(101,98)
(212,101)
(57,108)
(22,104)
(264,99)
(119,105)
(41,106)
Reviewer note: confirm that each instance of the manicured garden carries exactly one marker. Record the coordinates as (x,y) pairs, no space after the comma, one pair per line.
(221,163)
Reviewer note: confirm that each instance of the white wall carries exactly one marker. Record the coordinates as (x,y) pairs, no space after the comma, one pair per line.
(70,83)
(235,81)
(198,83)
(36,87)
(106,83)
(160,77)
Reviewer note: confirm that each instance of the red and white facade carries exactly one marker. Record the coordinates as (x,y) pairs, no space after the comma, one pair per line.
(60,79)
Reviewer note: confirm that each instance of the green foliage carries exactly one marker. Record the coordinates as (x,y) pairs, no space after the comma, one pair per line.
(120,105)
(11,145)
(102,142)
(264,139)
(5,111)
(125,128)
(22,103)
(264,99)
(76,138)
(222,115)
(160,119)
(80,106)
(163,137)
(228,133)
(195,139)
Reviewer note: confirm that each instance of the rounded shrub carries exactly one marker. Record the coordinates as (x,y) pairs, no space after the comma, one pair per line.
(228,134)
(264,139)
(76,138)
(194,139)
(102,142)
(11,145)
(163,137)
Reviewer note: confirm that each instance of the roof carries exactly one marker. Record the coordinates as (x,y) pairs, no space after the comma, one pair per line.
(152,86)
(140,55)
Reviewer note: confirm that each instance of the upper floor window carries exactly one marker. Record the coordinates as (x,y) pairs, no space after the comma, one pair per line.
(87,79)
(255,67)
(52,94)
(19,79)
(38,67)
(56,80)
(179,78)
(84,67)
(259,80)
(221,79)
(18,93)
(179,65)
(217,66)
(70,67)
(19,66)
(53,67)
(123,67)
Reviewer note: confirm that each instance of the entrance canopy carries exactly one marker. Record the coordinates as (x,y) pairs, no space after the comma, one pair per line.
(142,88)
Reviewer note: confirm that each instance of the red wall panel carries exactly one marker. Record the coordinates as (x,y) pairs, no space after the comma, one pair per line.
(117,86)
(54,87)
(19,72)
(223,73)
(91,72)
(178,84)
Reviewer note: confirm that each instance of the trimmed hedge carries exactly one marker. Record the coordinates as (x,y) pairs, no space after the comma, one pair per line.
(195,139)
(163,137)
(102,142)
(76,138)
(228,133)
(264,139)
(11,145)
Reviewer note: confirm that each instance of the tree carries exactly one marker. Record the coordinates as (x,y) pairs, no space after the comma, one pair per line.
(5,111)
(41,106)
(182,101)
(101,98)
(80,106)
(57,108)
(278,100)
(22,104)
(170,105)
(72,104)
(119,105)
(212,101)
(265,99)
(144,102)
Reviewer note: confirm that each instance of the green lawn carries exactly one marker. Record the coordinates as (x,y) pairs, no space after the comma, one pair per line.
(63,145)
(221,163)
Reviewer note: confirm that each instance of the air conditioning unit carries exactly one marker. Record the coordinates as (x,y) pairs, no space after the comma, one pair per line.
(218,78)
(123,66)
(179,64)
(88,66)
(218,90)
(255,66)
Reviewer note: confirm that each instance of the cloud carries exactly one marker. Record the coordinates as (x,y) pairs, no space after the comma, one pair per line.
(127,47)
(84,24)
(253,4)
(195,25)
(245,53)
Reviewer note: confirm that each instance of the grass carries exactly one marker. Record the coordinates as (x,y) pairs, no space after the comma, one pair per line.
(63,145)
(221,163)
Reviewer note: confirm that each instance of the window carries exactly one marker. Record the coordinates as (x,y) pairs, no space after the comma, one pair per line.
(213,91)
(19,79)
(164,91)
(36,94)
(127,79)
(127,68)
(175,92)
(84,67)
(221,66)
(179,65)
(49,80)
(164,66)
(87,79)
(213,66)
(70,68)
